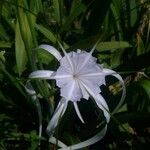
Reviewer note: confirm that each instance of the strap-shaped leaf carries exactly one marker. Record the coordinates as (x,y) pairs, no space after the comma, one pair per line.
(21,55)
(4,44)
(46,32)
(109,46)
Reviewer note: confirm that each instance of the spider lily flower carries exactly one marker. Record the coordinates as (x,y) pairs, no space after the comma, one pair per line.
(78,76)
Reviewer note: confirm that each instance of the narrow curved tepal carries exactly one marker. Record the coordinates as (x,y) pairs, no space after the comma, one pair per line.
(78,76)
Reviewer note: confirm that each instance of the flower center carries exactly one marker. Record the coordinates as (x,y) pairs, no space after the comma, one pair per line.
(75,76)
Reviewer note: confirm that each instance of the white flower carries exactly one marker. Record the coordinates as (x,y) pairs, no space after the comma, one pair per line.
(78,76)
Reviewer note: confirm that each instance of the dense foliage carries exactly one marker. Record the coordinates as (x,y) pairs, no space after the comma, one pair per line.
(123,28)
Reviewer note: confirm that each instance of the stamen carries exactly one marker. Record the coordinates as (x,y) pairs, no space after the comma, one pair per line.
(68,58)
(89,55)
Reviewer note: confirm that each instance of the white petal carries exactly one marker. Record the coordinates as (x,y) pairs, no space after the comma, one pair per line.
(78,112)
(85,59)
(62,72)
(97,80)
(78,61)
(65,65)
(85,94)
(57,142)
(75,60)
(88,142)
(90,67)
(61,82)
(100,101)
(41,74)
(94,87)
(113,73)
(71,91)
(60,110)
(29,89)
(51,50)
(61,76)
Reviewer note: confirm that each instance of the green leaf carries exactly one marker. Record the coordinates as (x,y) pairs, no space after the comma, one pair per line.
(76,10)
(36,6)
(124,127)
(116,48)
(7,15)
(5,99)
(44,56)
(138,96)
(111,46)
(71,139)
(4,44)
(25,28)
(140,45)
(116,14)
(123,108)
(88,42)
(2,56)
(21,56)
(3,34)
(146,86)
(135,63)
(4,117)
(96,17)
(133,12)
(56,6)
(137,117)
(47,33)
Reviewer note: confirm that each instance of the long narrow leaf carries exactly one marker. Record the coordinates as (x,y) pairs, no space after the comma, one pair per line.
(107,46)
(47,33)
(4,44)
(21,56)
(56,6)
(79,8)
(25,29)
